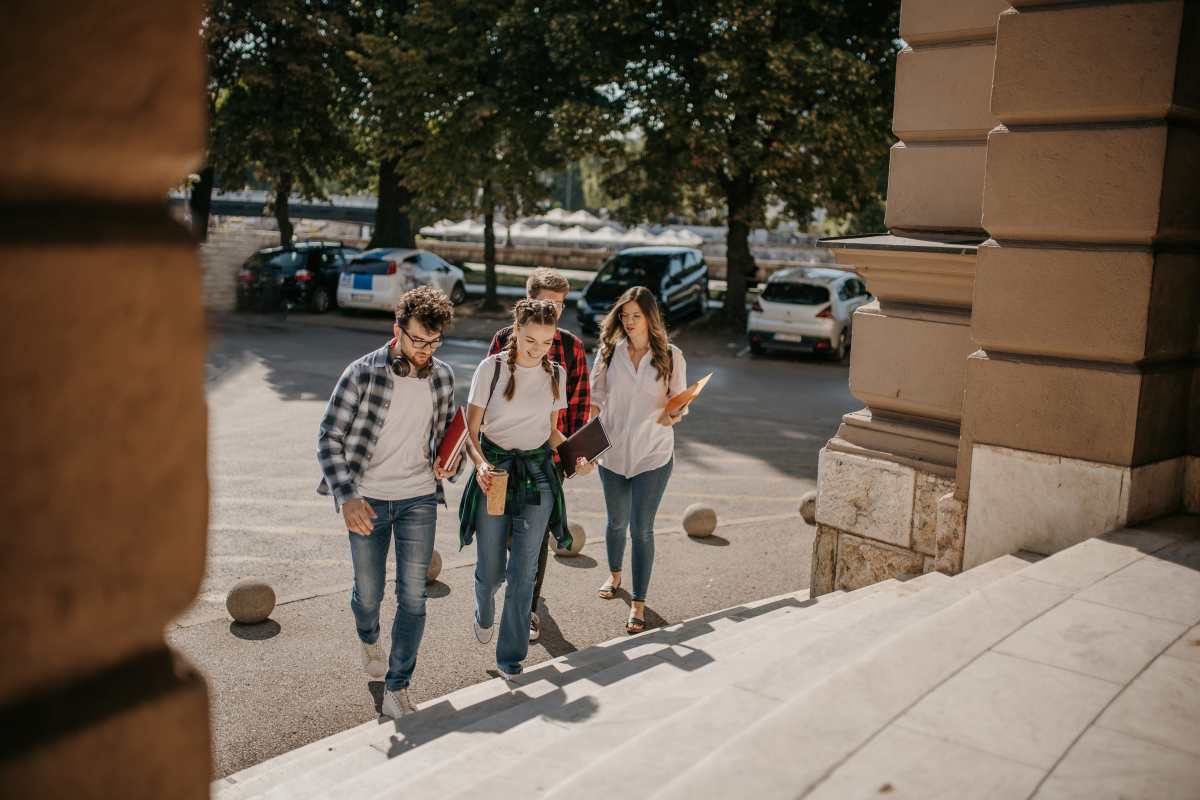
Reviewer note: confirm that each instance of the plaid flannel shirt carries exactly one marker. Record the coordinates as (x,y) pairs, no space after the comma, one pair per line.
(354,418)
(579,392)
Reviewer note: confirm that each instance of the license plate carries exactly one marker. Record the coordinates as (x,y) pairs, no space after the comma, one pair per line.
(359,296)
(788,337)
(362,282)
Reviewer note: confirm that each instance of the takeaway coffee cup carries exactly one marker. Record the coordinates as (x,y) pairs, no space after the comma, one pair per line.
(496,495)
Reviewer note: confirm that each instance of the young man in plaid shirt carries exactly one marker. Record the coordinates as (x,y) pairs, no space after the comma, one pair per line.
(567,350)
(377,448)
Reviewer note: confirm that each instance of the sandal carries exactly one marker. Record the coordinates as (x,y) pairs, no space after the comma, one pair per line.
(634,625)
(608,590)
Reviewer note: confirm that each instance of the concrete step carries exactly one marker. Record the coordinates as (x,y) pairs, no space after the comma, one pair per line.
(472,703)
(755,686)
(645,662)
(872,691)
(640,699)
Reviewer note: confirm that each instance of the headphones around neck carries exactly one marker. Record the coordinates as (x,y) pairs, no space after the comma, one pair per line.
(402,367)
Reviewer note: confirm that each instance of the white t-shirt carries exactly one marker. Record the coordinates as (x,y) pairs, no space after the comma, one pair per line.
(522,423)
(630,401)
(399,468)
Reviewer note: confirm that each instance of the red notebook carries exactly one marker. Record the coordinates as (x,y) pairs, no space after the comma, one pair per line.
(456,439)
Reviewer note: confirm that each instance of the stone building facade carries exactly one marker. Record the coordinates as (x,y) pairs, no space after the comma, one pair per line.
(1030,366)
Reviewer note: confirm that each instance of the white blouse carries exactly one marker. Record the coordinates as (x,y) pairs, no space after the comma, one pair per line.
(631,400)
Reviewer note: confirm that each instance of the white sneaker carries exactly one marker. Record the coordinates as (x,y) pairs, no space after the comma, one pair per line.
(397,703)
(508,676)
(375,661)
(484,635)
(535,627)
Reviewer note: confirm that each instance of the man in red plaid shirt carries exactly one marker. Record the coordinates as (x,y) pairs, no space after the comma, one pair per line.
(567,350)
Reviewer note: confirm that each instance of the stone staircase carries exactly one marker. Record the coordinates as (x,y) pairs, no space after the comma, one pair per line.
(1077,675)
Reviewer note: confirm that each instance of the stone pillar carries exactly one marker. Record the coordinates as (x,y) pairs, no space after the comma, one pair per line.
(1081,403)
(886,505)
(102,340)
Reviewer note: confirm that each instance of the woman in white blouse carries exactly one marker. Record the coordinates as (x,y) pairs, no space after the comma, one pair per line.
(635,373)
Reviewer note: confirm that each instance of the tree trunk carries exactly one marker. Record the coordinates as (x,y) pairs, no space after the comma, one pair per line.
(740,268)
(393,226)
(283,190)
(199,202)
(490,300)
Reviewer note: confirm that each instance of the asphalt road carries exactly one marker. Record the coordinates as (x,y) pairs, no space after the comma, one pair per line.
(749,449)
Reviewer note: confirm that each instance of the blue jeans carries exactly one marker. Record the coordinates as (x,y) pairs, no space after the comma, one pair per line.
(495,563)
(632,504)
(412,523)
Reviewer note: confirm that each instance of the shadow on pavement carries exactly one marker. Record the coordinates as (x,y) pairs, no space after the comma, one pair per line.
(552,638)
(255,633)
(711,540)
(576,562)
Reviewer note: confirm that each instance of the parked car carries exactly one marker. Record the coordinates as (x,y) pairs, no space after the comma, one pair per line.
(678,277)
(806,309)
(377,278)
(300,275)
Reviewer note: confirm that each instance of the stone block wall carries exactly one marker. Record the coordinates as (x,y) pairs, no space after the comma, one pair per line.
(106,496)
(883,475)
(1087,305)
(221,256)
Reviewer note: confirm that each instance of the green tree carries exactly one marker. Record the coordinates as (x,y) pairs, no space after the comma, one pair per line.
(284,92)
(480,99)
(744,104)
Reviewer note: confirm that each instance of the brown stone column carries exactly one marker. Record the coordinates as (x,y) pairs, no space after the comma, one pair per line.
(1080,405)
(102,342)
(885,504)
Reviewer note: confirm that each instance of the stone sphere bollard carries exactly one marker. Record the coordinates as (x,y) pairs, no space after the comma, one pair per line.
(808,507)
(578,539)
(435,568)
(250,601)
(699,520)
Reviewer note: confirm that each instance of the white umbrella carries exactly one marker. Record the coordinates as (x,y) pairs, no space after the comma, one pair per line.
(555,215)
(582,217)
(635,236)
(575,233)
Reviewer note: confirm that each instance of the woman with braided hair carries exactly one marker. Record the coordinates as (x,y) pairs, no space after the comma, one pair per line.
(512,411)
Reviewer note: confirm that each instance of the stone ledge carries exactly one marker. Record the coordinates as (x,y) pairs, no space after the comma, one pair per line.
(936,186)
(861,563)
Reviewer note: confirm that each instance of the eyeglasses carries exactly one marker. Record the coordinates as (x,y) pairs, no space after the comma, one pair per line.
(422,344)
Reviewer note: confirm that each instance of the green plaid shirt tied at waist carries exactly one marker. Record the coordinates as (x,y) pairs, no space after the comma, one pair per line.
(523,467)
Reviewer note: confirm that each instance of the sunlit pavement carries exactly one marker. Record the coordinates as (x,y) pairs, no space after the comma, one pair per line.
(748,449)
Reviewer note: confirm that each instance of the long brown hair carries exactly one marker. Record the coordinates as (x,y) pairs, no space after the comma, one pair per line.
(612,331)
(526,312)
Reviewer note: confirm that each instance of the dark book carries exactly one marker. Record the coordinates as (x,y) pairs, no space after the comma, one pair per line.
(589,443)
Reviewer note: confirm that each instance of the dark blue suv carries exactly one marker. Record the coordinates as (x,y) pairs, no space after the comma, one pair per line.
(678,277)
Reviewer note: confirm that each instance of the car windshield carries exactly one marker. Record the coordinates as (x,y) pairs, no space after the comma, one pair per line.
(283,260)
(635,270)
(800,294)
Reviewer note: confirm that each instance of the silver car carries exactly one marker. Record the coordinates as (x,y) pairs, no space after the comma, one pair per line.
(807,309)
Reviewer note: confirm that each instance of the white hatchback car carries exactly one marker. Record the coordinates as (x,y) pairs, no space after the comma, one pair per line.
(807,309)
(376,279)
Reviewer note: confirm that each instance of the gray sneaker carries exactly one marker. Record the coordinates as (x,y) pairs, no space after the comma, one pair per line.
(375,661)
(535,627)
(484,635)
(397,703)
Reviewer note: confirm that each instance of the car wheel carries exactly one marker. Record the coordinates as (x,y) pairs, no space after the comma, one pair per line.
(756,348)
(320,300)
(839,353)
(458,294)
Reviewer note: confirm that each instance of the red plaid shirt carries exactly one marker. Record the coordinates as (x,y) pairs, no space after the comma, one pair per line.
(579,391)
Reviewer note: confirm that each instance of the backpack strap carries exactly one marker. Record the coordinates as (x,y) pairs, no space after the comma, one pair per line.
(492,389)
